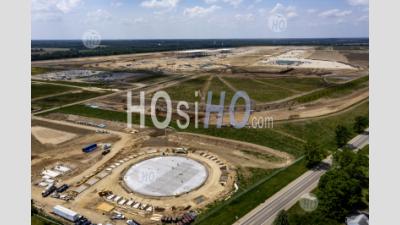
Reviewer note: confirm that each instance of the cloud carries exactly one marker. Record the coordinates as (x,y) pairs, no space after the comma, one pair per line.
(63,6)
(335,13)
(358,2)
(210,1)
(234,3)
(198,11)
(51,10)
(364,18)
(311,11)
(47,17)
(130,22)
(244,17)
(288,12)
(160,3)
(98,16)
(67,5)
(116,3)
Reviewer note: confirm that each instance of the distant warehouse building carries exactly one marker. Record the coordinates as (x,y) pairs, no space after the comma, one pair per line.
(202,52)
(66,213)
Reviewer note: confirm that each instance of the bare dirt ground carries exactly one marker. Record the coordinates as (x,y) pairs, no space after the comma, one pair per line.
(50,136)
(68,152)
(251,59)
(85,166)
(328,55)
(234,153)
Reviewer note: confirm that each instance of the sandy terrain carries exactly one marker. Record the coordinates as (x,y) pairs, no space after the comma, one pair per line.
(50,136)
(299,59)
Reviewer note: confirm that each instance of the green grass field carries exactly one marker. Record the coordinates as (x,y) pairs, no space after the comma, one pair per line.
(38,220)
(217,87)
(294,83)
(322,130)
(259,91)
(39,90)
(60,100)
(335,91)
(185,91)
(79,84)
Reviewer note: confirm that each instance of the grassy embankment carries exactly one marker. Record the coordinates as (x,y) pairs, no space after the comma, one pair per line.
(335,91)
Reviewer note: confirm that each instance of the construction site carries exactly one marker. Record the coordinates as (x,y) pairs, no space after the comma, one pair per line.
(85,159)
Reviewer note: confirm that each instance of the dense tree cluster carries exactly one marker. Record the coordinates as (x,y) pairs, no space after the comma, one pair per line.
(342,136)
(360,124)
(313,154)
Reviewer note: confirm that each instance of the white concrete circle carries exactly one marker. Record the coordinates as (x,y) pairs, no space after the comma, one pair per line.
(165,176)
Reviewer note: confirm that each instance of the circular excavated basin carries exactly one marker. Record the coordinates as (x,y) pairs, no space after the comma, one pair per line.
(165,176)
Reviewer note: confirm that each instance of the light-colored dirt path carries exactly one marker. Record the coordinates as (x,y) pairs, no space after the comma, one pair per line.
(229,85)
(205,89)
(287,158)
(55,95)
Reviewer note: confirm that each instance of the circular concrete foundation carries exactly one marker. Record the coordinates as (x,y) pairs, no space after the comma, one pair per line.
(165,176)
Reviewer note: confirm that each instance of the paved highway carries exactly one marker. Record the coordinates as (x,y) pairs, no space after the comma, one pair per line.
(266,212)
(360,141)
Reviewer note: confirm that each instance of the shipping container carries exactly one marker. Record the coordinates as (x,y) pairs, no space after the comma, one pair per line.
(66,213)
(89,148)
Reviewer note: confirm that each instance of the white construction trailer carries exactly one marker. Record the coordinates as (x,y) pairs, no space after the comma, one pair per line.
(66,213)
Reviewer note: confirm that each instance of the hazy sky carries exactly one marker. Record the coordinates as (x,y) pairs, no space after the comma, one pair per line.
(143,19)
